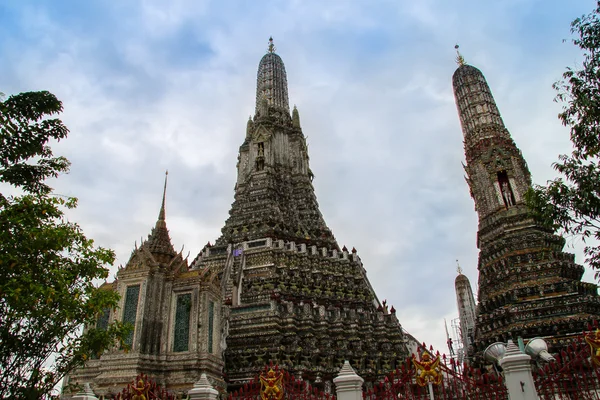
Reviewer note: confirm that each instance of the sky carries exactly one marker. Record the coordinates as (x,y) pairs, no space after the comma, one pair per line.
(151,85)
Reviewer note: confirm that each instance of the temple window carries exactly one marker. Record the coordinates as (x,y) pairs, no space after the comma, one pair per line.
(507,194)
(102,322)
(130,310)
(211,318)
(181,336)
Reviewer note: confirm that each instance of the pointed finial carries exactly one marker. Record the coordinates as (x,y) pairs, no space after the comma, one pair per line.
(295,117)
(249,126)
(271,45)
(460,60)
(161,215)
(458,268)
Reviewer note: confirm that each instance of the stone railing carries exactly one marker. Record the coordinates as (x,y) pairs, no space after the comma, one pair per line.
(344,254)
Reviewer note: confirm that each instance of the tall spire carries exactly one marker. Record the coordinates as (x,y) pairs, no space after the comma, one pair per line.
(274,195)
(161,214)
(159,240)
(497,173)
(271,82)
(465,302)
(478,112)
(275,208)
(522,269)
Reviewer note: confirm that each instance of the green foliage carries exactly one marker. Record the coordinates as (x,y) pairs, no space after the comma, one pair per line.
(26,160)
(47,265)
(571,203)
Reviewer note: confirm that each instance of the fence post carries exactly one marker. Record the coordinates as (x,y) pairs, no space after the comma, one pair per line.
(348,385)
(517,374)
(203,390)
(85,394)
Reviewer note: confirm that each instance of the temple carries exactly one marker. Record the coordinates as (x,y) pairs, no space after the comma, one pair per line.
(274,288)
(176,315)
(292,295)
(528,287)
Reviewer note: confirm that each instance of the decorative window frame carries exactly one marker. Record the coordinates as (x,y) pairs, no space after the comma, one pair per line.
(193,329)
(215,338)
(139,316)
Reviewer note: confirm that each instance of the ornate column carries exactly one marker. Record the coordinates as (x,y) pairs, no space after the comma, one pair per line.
(203,390)
(517,374)
(348,385)
(85,394)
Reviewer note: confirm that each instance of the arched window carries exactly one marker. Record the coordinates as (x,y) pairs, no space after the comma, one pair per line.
(507,194)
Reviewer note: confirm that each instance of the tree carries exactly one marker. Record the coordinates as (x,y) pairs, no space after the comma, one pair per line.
(47,265)
(571,203)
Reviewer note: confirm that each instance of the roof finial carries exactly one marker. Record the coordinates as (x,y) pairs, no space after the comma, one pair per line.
(458,268)
(161,215)
(460,60)
(271,45)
